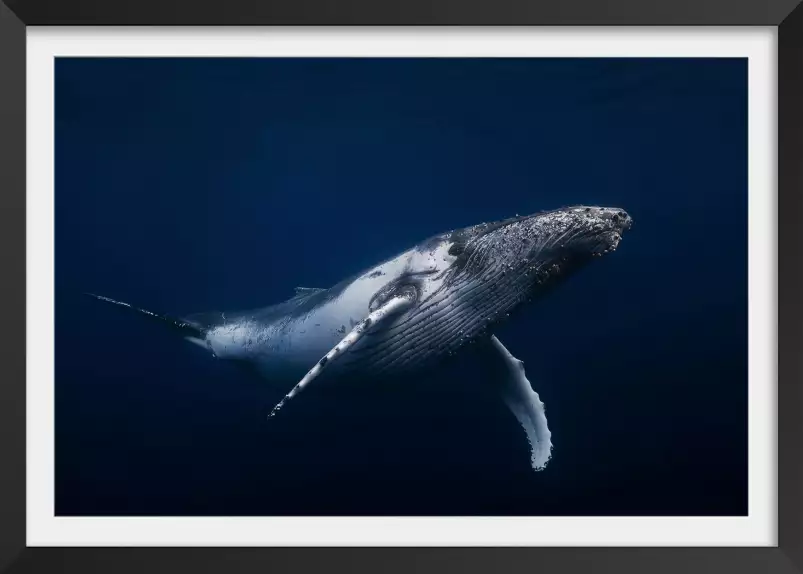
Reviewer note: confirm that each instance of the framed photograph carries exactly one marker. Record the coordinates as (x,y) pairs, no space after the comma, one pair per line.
(435,289)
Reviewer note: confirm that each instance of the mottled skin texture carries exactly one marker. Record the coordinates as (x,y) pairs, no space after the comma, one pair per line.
(461,283)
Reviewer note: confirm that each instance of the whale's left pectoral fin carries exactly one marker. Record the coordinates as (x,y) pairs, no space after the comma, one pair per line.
(509,379)
(374,319)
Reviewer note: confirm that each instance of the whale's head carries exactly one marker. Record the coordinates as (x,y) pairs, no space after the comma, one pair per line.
(466,281)
(532,253)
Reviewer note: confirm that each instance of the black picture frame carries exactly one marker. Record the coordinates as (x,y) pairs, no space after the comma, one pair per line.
(15,15)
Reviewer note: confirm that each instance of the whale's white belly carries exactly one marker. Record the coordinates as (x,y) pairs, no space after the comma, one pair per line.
(287,347)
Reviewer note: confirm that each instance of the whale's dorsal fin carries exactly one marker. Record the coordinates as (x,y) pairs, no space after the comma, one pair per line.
(375,318)
(305,291)
(506,375)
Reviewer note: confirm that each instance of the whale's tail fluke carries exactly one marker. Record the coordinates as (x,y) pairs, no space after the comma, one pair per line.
(188,329)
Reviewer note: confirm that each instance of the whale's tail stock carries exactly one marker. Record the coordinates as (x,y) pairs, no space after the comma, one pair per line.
(194,331)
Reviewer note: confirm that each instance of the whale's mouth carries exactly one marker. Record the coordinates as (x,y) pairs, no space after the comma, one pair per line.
(607,243)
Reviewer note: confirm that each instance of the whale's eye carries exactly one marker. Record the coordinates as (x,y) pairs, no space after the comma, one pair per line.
(403,287)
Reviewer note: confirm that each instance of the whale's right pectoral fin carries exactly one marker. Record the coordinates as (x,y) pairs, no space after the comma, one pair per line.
(372,321)
(507,376)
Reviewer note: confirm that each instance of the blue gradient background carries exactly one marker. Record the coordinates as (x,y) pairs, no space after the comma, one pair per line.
(194,185)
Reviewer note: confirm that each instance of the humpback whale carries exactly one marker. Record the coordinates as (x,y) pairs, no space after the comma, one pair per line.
(442,297)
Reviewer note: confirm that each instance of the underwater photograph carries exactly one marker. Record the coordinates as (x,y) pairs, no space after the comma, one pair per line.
(401,286)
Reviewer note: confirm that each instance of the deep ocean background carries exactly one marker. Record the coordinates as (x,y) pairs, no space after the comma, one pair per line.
(193,185)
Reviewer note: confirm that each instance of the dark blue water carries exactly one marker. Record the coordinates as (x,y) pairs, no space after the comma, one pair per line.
(187,186)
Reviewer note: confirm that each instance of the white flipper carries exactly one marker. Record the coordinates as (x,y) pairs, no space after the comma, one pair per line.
(523,402)
(374,318)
